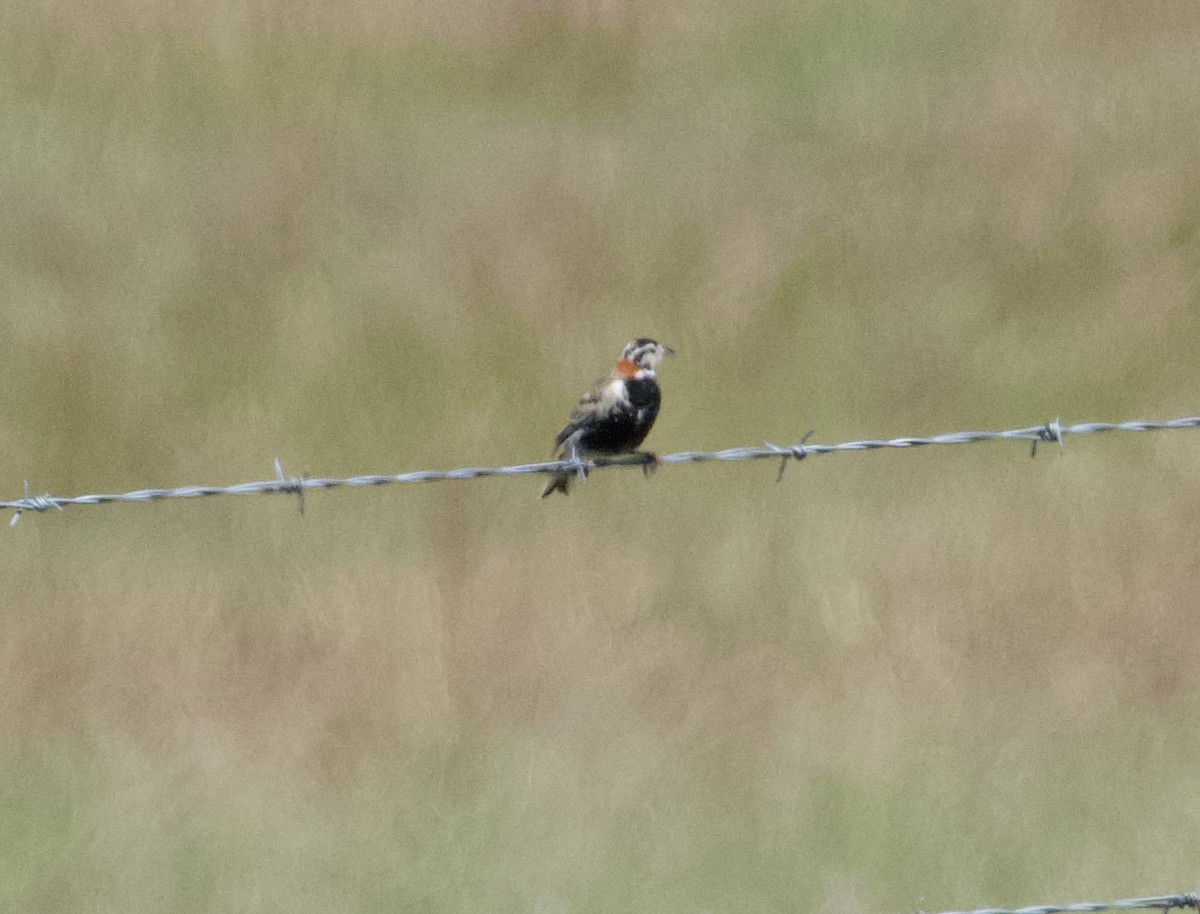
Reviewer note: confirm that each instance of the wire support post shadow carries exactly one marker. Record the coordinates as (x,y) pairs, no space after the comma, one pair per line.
(1053,431)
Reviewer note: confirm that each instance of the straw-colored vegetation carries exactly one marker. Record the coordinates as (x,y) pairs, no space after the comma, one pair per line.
(366,236)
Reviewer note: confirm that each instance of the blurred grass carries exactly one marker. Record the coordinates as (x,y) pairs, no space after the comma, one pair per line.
(367,237)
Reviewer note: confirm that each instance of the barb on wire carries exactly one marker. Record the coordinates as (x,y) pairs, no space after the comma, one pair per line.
(298,485)
(295,484)
(793,452)
(1051,431)
(1157,902)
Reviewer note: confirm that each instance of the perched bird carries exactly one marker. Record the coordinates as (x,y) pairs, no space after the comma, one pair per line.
(616,414)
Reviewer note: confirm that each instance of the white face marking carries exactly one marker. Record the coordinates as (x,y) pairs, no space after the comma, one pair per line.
(646,356)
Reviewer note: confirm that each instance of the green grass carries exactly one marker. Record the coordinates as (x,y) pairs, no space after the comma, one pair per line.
(369,239)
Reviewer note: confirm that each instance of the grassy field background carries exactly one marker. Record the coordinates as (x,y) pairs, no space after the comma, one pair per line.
(369,237)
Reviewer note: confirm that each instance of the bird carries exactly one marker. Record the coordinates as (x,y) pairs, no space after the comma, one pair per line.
(616,413)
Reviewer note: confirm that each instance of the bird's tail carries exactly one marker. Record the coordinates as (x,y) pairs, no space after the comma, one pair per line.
(559,483)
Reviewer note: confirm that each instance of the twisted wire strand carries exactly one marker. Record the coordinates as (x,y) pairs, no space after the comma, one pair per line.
(1156,902)
(1052,431)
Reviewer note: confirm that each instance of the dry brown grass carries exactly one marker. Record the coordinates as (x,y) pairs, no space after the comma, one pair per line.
(366,237)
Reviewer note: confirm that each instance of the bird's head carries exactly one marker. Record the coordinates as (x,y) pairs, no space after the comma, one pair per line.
(644,355)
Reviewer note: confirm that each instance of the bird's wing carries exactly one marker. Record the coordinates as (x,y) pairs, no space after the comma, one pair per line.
(599,399)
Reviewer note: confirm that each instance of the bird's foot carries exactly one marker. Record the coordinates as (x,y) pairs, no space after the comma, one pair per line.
(649,463)
(581,466)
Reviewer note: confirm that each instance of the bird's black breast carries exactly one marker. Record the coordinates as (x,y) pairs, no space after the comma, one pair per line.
(628,425)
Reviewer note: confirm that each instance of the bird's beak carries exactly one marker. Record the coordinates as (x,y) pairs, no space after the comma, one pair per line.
(667,350)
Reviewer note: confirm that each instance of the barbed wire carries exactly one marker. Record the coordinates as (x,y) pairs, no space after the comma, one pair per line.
(282,484)
(1157,902)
